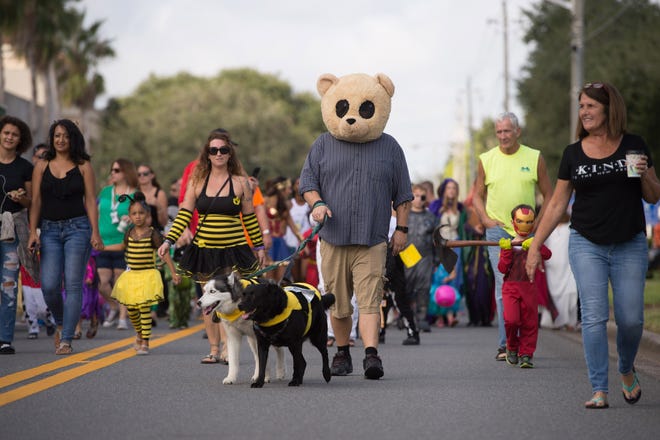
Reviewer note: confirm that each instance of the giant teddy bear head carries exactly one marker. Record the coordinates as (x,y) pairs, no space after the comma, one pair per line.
(355,107)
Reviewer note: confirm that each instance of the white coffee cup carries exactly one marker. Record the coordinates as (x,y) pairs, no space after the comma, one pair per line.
(632,159)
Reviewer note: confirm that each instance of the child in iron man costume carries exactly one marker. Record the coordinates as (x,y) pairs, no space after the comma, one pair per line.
(519,296)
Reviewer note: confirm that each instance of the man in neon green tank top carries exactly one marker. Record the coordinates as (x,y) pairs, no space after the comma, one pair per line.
(508,175)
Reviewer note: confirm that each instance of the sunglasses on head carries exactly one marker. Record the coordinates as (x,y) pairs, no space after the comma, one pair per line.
(115,170)
(222,150)
(595,85)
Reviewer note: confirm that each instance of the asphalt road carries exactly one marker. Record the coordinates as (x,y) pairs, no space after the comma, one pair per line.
(449,387)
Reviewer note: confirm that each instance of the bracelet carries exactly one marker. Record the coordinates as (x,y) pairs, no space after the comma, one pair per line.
(319,202)
(169,241)
(266,232)
(259,248)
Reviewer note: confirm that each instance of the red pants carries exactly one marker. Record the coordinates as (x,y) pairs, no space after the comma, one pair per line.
(521,321)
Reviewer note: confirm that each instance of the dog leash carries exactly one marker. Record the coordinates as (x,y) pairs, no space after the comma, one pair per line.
(297,252)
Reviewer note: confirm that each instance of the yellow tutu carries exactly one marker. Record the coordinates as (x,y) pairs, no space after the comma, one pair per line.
(138,287)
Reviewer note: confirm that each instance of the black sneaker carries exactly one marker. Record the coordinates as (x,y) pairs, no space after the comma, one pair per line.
(6,348)
(511,357)
(341,364)
(526,362)
(373,367)
(412,339)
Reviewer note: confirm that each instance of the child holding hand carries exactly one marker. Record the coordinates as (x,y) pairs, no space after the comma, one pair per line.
(519,296)
(141,286)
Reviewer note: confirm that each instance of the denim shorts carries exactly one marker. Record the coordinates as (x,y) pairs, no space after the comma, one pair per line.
(111,260)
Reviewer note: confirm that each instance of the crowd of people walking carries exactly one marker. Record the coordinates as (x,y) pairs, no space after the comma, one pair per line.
(108,257)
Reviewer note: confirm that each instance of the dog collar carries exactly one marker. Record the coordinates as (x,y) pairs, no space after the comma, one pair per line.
(231,317)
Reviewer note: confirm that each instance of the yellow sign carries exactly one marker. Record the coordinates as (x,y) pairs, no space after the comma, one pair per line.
(410,256)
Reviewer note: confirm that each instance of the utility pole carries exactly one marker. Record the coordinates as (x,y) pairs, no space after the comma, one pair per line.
(472,171)
(577,61)
(577,56)
(505,22)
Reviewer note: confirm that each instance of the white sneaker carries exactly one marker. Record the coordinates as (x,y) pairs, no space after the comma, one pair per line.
(110,319)
(122,325)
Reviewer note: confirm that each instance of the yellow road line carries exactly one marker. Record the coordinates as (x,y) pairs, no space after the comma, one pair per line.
(94,365)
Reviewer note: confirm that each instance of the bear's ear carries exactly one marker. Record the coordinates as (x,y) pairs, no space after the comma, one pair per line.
(324,82)
(386,82)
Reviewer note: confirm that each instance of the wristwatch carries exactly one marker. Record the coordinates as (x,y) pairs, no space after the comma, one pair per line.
(403,229)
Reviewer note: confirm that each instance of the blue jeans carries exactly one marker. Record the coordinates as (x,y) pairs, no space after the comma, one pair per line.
(9,289)
(624,265)
(65,249)
(494,234)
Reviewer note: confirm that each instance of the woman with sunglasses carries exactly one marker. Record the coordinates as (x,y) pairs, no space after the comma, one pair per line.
(607,243)
(156,198)
(219,190)
(64,207)
(113,222)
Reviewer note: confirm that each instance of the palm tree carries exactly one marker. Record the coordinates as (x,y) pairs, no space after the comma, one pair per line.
(78,77)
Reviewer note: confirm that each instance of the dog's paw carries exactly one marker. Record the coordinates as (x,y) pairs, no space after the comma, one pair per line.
(295,382)
(257,385)
(229,380)
(327,374)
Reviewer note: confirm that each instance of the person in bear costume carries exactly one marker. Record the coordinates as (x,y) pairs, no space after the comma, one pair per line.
(352,177)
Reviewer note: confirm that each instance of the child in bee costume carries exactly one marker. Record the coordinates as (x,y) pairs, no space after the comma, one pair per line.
(141,286)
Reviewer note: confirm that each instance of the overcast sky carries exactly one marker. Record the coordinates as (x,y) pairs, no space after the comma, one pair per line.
(429,48)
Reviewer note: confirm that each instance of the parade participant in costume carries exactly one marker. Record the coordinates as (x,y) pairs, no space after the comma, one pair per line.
(219,190)
(519,295)
(354,175)
(141,286)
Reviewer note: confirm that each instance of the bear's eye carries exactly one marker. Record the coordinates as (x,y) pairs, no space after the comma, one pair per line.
(341,108)
(367,109)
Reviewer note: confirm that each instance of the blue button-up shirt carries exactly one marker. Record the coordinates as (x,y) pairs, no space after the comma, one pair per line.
(360,183)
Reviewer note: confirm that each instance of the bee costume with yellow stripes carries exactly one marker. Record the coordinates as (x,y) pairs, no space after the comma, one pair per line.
(220,241)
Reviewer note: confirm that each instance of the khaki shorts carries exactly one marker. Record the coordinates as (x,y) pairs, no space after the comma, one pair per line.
(348,269)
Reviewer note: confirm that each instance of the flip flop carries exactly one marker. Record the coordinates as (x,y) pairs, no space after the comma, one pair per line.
(596,402)
(629,390)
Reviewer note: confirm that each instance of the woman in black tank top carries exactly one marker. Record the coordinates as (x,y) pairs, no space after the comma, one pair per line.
(65,177)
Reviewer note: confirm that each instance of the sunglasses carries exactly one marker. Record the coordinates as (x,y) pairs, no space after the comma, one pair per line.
(144,174)
(222,150)
(422,197)
(115,170)
(594,86)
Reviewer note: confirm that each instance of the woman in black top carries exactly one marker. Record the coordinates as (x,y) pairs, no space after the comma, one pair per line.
(608,241)
(64,207)
(16,185)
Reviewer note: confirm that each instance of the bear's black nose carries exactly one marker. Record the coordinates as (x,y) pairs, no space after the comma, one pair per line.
(350,121)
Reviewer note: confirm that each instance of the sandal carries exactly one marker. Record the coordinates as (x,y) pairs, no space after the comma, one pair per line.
(138,343)
(211,359)
(144,348)
(501,354)
(64,349)
(597,401)
(629,389)
(93,328)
